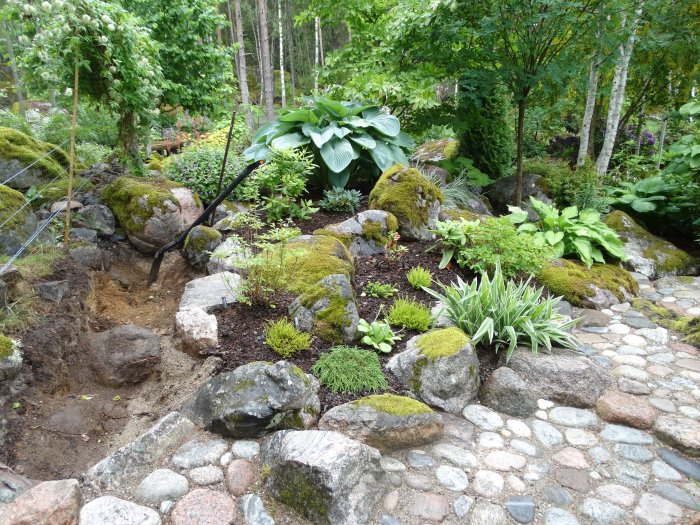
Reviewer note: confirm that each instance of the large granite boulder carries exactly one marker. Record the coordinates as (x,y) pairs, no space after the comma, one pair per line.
(386,421)
(325,476)
(97,217)
(18,224)
(440,367)
(152,212)
(505,391)
(199,244)
(257,398)
(597,287)
(568,378)
(648,254)
(413,200)
(365,234)
(230,256)
(501,193)
(48,503)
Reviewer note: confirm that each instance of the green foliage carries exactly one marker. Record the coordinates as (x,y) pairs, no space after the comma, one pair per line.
(349,369)
(198,169)
(217,138)
(284,339)
(480,246)
(459,193)
(340,200)
(504,315)
(91,153)
(568,187)
(8,119)
(464,168)
(344,137)
(94,125)
(418,277)
(410,314)
(654,194)
(569,232)
(15,145)
(378,335)
(379,290)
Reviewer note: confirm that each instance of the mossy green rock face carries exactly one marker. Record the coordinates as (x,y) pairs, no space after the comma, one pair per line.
(385,421)
(597,287)
(19,227)
(414,201)
(440,367)
(200,242)
(435,151)
(153,212)
(365,234)
(10,358)
(648,254)
(325,476)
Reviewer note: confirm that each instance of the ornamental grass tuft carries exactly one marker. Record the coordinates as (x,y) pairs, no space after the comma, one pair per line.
(349,369)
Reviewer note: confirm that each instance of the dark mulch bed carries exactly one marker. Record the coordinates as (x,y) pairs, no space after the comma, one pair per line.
(241,326)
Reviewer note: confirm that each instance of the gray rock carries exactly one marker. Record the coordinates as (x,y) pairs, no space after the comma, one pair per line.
(308,317)
(633,387)
(210,292)
(12,484)
(452,478)
(386,519)
(599,454)
(145,450)
(483,417)
(245,449)
(602,512)
(521,508)
(556,495)
(662,471)
(590,317)
(487,514)
(631,474)
(501,193)
(161,485)
(18,229)
(200,242)
(206,475)
(677,495)
(688,467)
(229,256)
(257,398)
(325,476)
(52,290)
(653,510)
(253,511)
(10,365)
(124,355)
(419,459)
(634,453)
(622,434)
(88,255)
(573,417)
(198,330)
(680,432)
(455,455)
(367,231)
(548,435)
(448,381)
(462,505)
(505,391)
(83,235)
(411,424)
(561,376)
(557,516)
(108,510)
(524,446)
(96,217)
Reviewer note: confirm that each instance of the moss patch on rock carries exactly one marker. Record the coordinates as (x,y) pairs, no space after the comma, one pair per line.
(7,347)
(201,237)
(436,150)
(15,145)
(345,238)
(302,495)
(59,189)
(397,191)
(442,343)
(372,230)
(135,200)
(11,201)
(573,281)
(688,326)
(309,259)
(394,405)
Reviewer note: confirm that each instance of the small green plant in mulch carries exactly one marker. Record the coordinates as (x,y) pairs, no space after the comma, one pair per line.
(410,314)
(284,338)
(418,277)
(349,369)
(378,335)
(379,290)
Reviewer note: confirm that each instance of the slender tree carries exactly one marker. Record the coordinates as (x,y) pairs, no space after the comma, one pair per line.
(281,38)
(13,67)
(290,49)
(242,67)
(266,64)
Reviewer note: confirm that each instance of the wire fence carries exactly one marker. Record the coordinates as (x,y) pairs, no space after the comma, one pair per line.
(34,163)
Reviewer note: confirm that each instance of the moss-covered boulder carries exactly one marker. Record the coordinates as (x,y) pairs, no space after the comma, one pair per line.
(152,212)
(434,151)
(648,254)
(501,193)
(688,326)
(365,234)
(310,258)
(199,244)
(385,421)
(413,200)
(40,161)
(10,358)
(440,368)
(18,226)
(598,287)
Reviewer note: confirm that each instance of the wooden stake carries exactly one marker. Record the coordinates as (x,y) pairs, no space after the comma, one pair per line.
(71,167)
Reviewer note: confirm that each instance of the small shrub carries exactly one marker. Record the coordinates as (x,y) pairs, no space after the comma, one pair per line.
(349,369)
(379,290)
(379,335)
(410,314)
(418,277)
(500,314)
(285,339)
(340,200)
(568,187)
(198,169)
(91,153)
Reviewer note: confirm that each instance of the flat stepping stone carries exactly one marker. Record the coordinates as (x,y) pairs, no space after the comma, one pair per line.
(621,434)
(211,291)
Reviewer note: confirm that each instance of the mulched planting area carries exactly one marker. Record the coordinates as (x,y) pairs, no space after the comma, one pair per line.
(241,337)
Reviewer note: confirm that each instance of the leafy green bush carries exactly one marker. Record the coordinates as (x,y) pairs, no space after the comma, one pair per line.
(94,125)
(500,314)
(379,290)
(410,314)
(463,168)
(198,169)
(349,369)
(568,187)
(284,338)
(569,232)
(344,137)
(91,153)
(653,194)
(340,200)
(479,246)
(378,334)
(217,138)
(418,277)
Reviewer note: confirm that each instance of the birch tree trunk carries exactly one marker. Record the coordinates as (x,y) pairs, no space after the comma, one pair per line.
(320,43)
(638,133)
(242,68)
(279,25)
(290,48)
(232,35)
(590,110)
(256,35)
(317,24)
(617,97)
(266,63)
(15,71)
(662,138)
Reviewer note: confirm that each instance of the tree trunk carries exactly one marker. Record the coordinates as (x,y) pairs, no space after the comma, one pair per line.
(594,127)
(266,63)
(638,132)
(279,25)
(15,72)
(320,43)
(317,24)
(290,49)
(128,138)
(232,35)
(589,111)
(242,68)
(258,53)
(662,138)
(519,155)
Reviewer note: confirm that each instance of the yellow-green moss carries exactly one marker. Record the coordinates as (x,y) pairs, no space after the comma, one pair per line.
(134,200)
(11,201)
(572,280)
(451,150)
(307,261)
(7,348)
(302,495)
(396,191)
(201,237)
(37,264)
(442,343)
(15,145)
(59,189)
(345,238)
(394,405)
(685,325)
(445,148)
(372,231)
(329,322)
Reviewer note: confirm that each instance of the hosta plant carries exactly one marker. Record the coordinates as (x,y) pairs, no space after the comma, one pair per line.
(378,335)
(345,138)
(569,232)
(501,314)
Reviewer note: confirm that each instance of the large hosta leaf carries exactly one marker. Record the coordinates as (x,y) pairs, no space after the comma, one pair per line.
(318,135)
(272,130)
(364,140)
(331,106)
(383,122)
(290,141)
(382,156)
(337,154)
(338,180)
(256,152)
(402,140)
(300,115)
